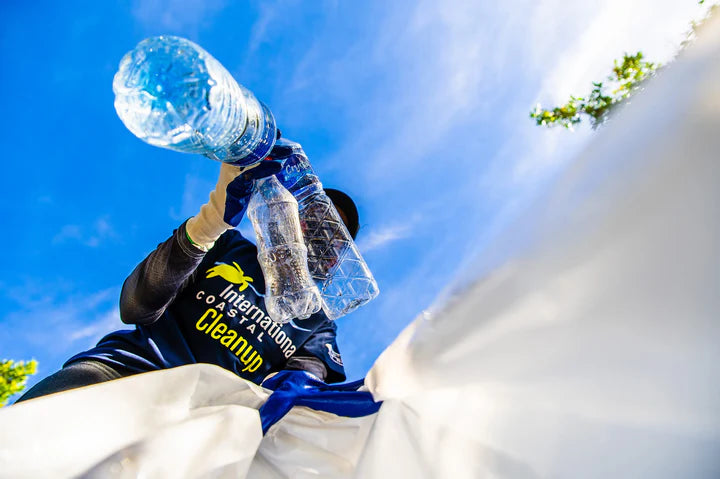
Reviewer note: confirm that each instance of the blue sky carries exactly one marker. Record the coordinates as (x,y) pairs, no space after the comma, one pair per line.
(417,109)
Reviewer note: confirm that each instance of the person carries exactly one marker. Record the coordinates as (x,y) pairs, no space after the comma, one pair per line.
(198,298)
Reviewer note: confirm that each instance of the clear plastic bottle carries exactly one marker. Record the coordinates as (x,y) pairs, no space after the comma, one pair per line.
(171,93)
(289,290)
(335,263)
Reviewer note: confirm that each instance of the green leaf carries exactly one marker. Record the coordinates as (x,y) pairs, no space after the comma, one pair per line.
(13,376)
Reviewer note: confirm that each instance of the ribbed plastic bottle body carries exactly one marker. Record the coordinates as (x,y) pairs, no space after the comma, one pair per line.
(171,93)
(334,260)
(289,289)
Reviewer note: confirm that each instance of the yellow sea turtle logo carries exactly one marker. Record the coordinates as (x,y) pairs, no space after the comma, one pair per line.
(233,274)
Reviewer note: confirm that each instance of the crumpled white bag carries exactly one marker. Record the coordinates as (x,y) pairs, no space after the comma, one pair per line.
(182,422)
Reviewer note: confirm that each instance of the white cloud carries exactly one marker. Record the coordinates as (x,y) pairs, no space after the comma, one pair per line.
(437,77)
(176,15)
(92,235)
(196,191)
(654,27)
(259,31)
(380,237)
(92,332)
(68,232)
(446,88)
(55,321)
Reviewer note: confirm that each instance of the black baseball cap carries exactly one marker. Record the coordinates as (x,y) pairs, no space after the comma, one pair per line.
(347,205)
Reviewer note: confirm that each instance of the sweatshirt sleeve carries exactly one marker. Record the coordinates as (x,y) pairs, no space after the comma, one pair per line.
(320,356)
(158,279)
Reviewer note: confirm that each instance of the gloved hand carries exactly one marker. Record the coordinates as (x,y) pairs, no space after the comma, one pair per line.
(240,189)
(228,202)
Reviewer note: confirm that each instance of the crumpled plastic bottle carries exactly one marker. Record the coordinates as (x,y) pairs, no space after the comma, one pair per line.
(342,275)
(289,290)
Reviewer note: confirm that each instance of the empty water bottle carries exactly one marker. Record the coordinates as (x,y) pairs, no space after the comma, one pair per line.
(289,290)
(335,263)
(171,93)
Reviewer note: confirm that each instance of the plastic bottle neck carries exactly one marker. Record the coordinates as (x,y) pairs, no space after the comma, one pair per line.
(299,177)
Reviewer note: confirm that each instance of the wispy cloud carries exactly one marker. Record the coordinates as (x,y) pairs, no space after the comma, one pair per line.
(52,323)
(259,32)
(68,232)
(383,236)
(443,124)
(196,192)
(176,15)
(91,235)
(105,323)
(654,27)
(448,85)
